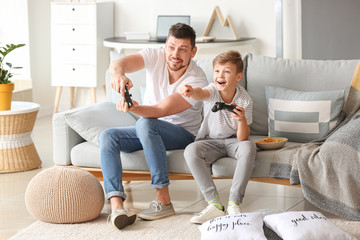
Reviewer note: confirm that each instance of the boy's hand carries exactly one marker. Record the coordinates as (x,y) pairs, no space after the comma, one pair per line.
(240,113)
(186,90)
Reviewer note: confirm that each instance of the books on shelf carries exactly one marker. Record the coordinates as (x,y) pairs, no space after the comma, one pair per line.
(137,35)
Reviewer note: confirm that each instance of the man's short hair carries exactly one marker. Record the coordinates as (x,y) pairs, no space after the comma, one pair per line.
(182,30)
(230,56)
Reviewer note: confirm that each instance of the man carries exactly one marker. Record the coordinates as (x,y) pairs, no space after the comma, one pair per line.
(169,121)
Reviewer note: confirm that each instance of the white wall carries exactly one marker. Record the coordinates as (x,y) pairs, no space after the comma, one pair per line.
(251,18)
(39,42)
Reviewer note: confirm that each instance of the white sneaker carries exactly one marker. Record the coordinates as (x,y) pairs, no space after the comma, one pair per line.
(233,209)
(120,218)
(210,212)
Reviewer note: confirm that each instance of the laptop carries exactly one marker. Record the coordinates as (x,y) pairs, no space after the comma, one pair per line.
(164,22)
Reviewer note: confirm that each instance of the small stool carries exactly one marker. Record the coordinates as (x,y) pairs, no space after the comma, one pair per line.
(64,195)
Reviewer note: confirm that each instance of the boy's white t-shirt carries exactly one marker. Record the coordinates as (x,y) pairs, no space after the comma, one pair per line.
(158,88)
(220,124)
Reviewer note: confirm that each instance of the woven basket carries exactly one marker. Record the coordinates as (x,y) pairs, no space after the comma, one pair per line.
(64,195)
(17,150)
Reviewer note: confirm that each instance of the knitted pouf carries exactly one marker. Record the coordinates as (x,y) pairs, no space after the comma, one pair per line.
(64,195)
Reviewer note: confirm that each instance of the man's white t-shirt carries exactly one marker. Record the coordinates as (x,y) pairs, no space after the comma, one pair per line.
(158,87)
(220,124)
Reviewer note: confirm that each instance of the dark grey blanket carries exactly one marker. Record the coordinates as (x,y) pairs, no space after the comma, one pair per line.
(329,169)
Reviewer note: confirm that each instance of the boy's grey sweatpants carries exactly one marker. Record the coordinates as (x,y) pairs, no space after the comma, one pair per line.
(200,155)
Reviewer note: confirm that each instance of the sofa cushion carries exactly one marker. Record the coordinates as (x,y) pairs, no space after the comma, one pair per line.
(236,226)
(87,155)
(206,66)
(81,153)
(300,75)
(225,166)
(89,122)
(302,116)
(305,225)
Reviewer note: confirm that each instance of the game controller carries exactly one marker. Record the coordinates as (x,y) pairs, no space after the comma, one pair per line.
(221,105)
(128,97)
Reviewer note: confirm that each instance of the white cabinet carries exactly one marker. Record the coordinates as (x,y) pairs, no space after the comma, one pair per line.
(78,57)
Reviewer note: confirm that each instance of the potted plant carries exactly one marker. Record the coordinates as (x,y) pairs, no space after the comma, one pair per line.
(6,86)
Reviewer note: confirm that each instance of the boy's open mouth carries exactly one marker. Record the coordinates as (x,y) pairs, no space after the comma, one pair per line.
(221,82)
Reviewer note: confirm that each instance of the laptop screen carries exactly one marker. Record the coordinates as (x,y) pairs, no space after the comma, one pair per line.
(164,22)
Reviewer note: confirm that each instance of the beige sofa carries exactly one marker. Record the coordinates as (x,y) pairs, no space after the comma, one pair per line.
(75,132)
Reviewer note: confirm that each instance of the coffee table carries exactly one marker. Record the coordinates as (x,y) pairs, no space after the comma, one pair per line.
(17,150)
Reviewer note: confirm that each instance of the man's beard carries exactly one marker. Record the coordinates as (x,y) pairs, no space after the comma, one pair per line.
(175,68)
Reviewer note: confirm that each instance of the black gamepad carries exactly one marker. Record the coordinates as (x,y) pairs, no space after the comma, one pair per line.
(221,105)
(128,97)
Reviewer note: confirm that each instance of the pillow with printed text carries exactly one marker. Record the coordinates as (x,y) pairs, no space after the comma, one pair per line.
(307,225)
(238,226)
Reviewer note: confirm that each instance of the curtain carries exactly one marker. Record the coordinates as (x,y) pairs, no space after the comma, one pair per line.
(14,29)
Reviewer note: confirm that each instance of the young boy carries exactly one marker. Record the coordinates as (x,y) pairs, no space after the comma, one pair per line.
(222,133)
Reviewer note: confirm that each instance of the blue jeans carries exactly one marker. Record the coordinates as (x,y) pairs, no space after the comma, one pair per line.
(151,135)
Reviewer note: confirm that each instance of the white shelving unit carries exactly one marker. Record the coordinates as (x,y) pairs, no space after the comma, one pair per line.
(78,57)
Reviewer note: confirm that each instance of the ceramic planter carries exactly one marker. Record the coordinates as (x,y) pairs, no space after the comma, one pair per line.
(6,91)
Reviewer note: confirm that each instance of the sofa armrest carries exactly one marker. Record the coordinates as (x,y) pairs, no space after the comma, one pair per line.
(64,137)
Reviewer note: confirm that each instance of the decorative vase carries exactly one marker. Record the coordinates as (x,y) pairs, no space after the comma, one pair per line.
(6,91)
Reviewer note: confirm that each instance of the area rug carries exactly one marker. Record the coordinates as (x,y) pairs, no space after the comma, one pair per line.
(177,227)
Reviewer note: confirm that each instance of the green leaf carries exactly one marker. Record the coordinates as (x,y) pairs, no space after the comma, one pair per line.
(5,75)
(10,48)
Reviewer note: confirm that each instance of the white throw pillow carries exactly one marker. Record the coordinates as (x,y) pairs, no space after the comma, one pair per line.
(239,226)
(307,225)
(89,123)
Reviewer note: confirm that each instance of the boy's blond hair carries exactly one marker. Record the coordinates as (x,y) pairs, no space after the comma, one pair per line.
(230,56)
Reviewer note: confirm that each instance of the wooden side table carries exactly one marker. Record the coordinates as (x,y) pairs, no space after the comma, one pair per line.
(17,150)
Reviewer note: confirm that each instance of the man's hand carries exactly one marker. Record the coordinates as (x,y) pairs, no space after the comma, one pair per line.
(119,67)
(118,84)
(186,90)
(123,106)
(170,105)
